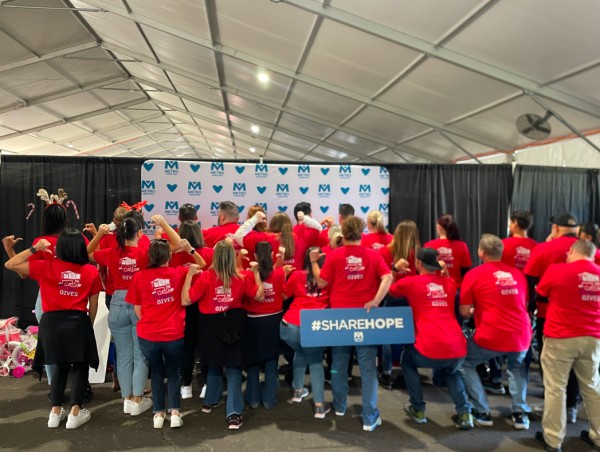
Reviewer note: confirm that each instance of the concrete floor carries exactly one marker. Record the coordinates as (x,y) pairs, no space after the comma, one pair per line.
(24,411)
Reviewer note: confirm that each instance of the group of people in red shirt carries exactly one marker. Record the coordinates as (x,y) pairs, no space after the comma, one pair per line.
(240,276)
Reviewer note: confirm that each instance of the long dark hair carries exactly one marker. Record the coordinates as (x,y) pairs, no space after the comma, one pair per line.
(311,284)
(159,253)
(281,223)
(54,219)
(446,221)
(264,257)
(70,247)
(190,230)
(127,230)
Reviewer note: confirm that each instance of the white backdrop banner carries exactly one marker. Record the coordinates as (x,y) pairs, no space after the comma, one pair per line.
(167,184)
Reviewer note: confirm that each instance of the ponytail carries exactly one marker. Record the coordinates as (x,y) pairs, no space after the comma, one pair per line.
(375,219)
(127,230)
(264,256)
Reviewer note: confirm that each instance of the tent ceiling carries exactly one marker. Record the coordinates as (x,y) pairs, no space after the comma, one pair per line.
(402,81)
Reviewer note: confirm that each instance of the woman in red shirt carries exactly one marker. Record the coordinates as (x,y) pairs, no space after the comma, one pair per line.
(219,292)
(66,336)
(378,236)
(306,295)
(156,295)
(262,331)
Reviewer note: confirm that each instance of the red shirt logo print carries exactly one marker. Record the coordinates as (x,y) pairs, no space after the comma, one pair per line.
(589,287)
(128,267)
(445,254)
(162,292)
(354,268)
(505,283)
(69,283)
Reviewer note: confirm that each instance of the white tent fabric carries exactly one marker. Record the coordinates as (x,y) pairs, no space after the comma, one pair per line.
(392,81)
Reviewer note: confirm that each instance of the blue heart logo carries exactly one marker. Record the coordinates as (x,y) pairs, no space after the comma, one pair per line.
(194,167)
(282,208)
(303,190)
(324,208)
(217,188)
(241,208)
(148,166)
(197,207)
(240,169)
(385,191)
(345,190)
(172,187)
(283,171)
(364,209)
(325,171)
(261,190)
(173,225)
(149,207)
(366,171)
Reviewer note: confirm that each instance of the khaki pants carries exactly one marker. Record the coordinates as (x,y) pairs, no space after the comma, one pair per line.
(558,357)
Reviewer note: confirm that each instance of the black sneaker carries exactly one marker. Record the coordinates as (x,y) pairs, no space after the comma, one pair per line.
(494,388)
(520,421)
(88,394)
(585,437)
(482,419)
(235,421)
(539,437)
(385,381)
(208,407)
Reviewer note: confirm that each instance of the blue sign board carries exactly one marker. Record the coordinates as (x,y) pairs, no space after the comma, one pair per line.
(331,327)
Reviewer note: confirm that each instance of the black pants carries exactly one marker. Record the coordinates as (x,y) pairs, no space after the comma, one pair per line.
(573,395)
(190,345)
(78,384)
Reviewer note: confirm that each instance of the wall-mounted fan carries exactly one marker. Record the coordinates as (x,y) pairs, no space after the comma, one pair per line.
(534,126)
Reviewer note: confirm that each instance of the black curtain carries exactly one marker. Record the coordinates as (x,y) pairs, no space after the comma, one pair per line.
(96,186)
(546,191)
(477,195)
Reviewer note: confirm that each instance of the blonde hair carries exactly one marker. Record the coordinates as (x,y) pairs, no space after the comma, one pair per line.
(375,219)
(119,213)
(281,223)
(260,227)
(224,264)
(406,239)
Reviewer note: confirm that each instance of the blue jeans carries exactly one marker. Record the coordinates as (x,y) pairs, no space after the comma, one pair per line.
(366,355)
(132,369)
(313,356)
(267,392)
(214,388)
(39,312)
(164,358)
(517,378)
(412,360)
(388,351)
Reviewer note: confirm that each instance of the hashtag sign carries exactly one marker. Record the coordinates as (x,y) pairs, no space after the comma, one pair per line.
(316,325)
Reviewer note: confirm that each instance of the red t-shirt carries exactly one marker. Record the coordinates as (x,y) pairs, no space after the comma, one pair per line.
(63,285)
(323,239)
(184,259)
(273,301)
(305,238)
(252,238)
(123,263)
(597,257)
(432,297)
(44,255)
(353,273)
(499,294)
(455,254)
(544,254)
(213,298)
(218,233)
(517,251)
(297,287)
(108,241)
(386,253)
(574,299)
(158,292)
(376,240)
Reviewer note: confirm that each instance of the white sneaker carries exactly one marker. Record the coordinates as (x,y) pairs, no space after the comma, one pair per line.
(203,392)
(75,421)
(176,421)
(159,421)
(127,406)
(55,418)
(186,392)
(139,408)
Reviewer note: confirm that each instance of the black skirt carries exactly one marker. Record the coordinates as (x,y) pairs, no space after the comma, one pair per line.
(65,337)
(261,342)
(221,338)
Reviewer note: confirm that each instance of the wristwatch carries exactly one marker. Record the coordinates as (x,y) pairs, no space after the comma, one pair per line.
(33,249)
(192,251)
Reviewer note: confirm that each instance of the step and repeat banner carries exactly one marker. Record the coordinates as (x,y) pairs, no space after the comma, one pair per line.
(167,184)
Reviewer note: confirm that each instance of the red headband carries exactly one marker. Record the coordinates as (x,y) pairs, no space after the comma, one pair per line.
(137,207)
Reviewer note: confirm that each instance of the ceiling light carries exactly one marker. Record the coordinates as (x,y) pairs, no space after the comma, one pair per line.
(263,77)
(252,149)
(70,145)
(255,129)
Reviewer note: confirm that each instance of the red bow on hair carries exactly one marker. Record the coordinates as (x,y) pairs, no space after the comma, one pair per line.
(137,207)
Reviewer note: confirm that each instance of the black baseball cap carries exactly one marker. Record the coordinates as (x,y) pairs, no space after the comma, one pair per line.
(565,219)
(429,259)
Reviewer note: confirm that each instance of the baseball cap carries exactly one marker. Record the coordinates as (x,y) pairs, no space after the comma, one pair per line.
(564,219)
(429,259)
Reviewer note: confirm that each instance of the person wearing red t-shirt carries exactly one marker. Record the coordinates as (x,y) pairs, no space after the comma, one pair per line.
(228,216)
(155,294)
(571,341)
(219,292)
(357,277)
(553,251)
(262,330)
(589,231)
(253,231)
(66,336)
(404,246)
(306,295)
(344,211)
(496,294)
(307,232)
(335,239)
(518,246)
(124,262)
(439,340)
(378,236)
